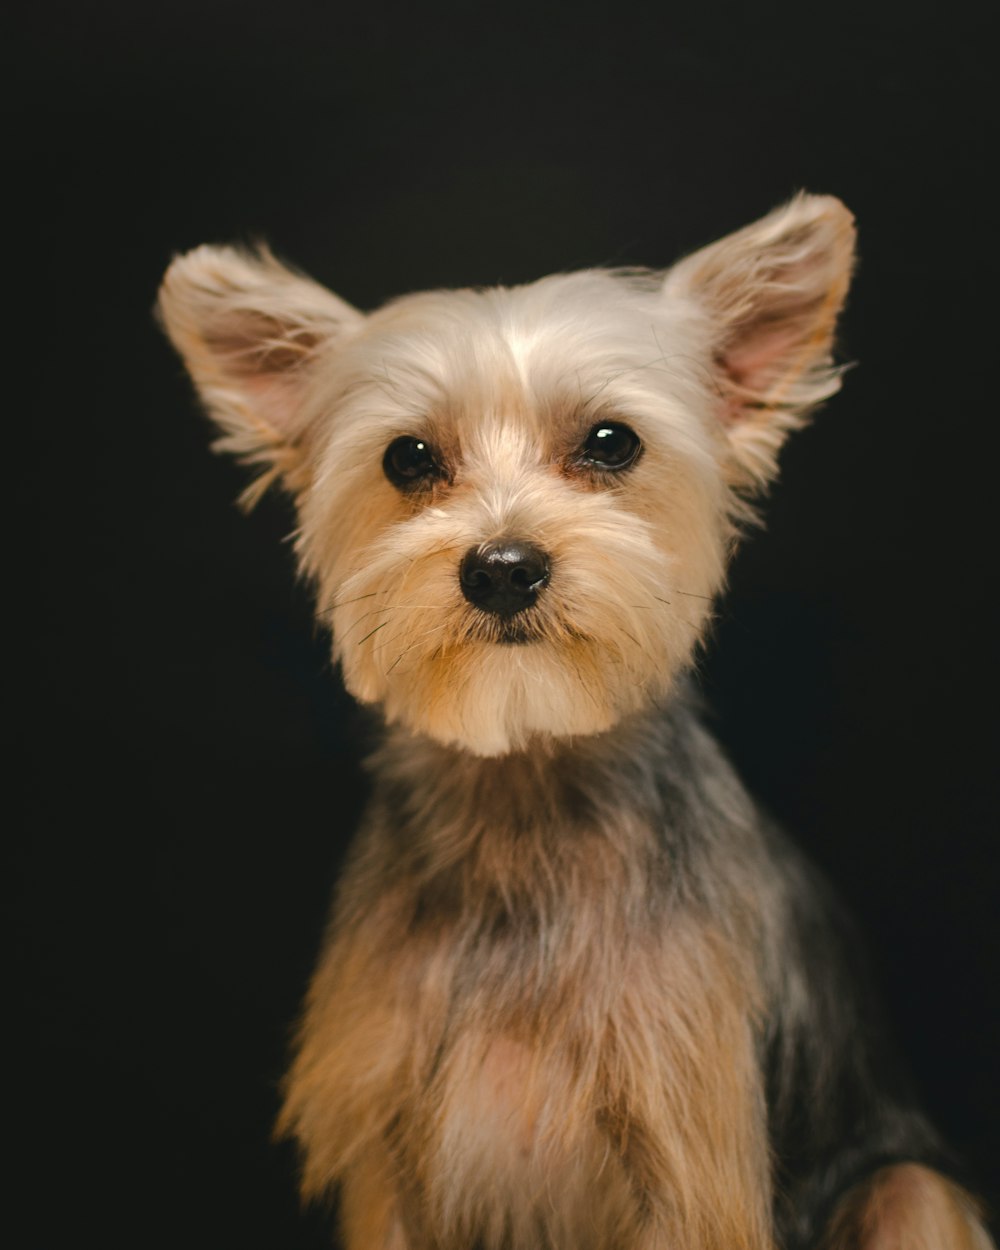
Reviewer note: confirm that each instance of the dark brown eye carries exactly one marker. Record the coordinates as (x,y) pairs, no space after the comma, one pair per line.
(410,462)
(610,445)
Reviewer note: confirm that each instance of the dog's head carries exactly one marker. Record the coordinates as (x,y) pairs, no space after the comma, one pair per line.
(516,504)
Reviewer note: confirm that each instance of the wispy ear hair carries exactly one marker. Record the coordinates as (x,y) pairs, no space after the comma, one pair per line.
(773,292)
(249,330)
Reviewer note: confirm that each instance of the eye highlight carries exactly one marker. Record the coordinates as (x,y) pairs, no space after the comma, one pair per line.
(411,462)
(610,446)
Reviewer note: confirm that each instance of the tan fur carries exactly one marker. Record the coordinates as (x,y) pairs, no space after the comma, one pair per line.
(519,1037)
(369,1210)
(775,290)
(506,384)
(907,1207)
(654,1086)
(249,329)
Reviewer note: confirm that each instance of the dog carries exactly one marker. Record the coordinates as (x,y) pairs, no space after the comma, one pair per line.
(577,993)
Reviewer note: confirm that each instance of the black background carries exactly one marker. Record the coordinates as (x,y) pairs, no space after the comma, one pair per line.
(190,763)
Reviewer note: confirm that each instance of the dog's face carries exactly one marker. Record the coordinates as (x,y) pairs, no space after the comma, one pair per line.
(516,504)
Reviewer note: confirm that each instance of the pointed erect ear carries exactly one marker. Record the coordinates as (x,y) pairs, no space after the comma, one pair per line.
(250,332)
(772,292)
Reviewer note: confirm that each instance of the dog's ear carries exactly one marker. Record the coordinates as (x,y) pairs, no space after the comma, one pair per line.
(250,332)
(772,293)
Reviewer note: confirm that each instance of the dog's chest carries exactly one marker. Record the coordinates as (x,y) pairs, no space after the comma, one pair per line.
(535,1025)
(568,1067)
(506,1121)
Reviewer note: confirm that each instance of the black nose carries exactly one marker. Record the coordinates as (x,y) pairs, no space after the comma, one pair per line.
(503,577)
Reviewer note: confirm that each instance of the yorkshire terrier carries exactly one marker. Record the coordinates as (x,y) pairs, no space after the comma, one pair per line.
(578,992)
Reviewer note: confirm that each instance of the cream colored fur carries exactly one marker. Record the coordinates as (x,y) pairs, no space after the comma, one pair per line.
(523,1034)
(711,363)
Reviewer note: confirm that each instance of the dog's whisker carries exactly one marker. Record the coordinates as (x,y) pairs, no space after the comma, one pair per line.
(396,661)
(415,638)
(434,551)
(333,607)
(394,607)
(360,620)
(399,605)
(371,632)
(406,650)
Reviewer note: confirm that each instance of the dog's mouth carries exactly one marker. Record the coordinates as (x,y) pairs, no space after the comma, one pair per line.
(523,629)
(517,633)
(510,631)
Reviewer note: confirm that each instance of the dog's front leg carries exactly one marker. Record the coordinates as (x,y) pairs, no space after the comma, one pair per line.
(371,1213)
(685,1115)
(906,1207)
(732,1215)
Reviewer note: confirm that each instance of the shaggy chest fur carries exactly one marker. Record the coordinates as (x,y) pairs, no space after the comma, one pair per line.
(523,1014)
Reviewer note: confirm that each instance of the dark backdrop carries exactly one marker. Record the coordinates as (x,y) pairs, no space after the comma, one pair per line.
(190,765)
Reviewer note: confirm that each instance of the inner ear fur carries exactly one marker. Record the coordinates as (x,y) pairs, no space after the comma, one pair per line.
(772,293)
(249,331)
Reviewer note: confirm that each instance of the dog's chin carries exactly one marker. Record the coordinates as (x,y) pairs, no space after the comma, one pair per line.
(515,692)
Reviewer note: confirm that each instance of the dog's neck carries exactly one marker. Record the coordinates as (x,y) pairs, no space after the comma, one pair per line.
(558,848)
(550,782)
(617,809)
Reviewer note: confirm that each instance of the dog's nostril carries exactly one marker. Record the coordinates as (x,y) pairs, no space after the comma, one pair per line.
(503,577)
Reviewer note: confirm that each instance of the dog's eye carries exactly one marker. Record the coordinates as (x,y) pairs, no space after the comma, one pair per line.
(610,445)
(409,461)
